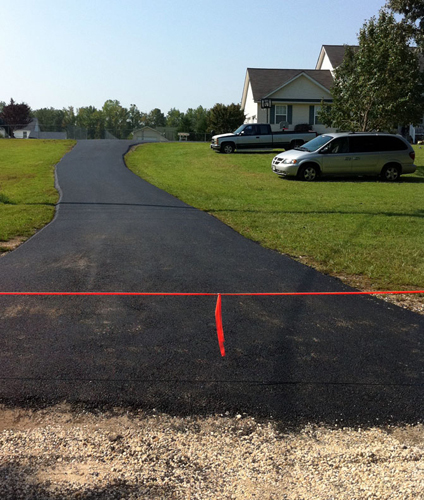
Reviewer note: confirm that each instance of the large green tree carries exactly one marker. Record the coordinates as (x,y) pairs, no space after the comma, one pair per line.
(379,84)
(223,118)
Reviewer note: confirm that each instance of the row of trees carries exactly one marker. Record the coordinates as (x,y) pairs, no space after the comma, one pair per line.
(115,119)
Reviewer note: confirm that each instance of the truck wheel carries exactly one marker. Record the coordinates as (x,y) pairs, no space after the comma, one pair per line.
(308,173)
(227,148)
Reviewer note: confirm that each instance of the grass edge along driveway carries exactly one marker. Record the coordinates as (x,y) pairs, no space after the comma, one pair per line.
(27,187)
(367,232)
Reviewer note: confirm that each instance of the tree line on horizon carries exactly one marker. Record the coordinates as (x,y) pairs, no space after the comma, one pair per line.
(121,122)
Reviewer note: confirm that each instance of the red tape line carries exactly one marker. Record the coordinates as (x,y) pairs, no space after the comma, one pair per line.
(218,309)
(211,294)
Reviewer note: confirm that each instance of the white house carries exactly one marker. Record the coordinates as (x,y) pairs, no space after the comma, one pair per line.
(291,97)
(32,130)
(285,98)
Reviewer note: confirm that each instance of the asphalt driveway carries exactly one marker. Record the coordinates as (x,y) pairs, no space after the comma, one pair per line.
(348,359)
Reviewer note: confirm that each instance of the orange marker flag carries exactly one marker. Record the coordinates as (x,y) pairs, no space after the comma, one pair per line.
(219,329)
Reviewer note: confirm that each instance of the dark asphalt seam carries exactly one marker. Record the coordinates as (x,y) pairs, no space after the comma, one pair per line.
(167,381)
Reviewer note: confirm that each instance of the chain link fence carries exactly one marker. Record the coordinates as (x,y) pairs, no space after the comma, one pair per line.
(36,130)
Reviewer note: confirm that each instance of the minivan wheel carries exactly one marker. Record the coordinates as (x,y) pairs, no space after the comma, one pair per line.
(308,173)
(390,173)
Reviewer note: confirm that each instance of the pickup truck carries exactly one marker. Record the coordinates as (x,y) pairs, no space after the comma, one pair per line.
(259,136)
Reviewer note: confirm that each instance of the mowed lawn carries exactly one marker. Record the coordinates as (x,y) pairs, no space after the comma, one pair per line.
(359,229)
(27,188)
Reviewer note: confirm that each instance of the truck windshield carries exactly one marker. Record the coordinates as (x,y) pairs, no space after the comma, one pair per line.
(239,129)
(316,143)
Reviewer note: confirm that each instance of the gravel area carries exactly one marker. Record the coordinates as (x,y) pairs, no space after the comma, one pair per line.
(61,452)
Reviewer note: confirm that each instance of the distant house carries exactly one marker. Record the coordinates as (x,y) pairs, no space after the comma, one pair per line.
(148,134)
(32,131)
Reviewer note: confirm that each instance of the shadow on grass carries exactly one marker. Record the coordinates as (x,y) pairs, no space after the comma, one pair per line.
(417,213)
(409,179)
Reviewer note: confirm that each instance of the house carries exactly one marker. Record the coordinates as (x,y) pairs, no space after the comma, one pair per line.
(32,131)
(148,134)
(285,98)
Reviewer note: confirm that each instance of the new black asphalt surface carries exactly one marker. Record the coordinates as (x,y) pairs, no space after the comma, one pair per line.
(346,360)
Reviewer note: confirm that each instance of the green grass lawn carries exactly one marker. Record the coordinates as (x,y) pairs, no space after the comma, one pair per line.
(27,192)
(357,228)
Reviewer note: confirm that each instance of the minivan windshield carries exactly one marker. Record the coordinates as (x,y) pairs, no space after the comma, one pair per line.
(315,143)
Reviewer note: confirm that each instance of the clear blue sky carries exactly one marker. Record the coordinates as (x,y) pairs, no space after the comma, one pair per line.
(161,53)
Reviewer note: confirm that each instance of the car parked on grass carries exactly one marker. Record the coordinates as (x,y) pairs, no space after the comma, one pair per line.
(348,153)
(259,136)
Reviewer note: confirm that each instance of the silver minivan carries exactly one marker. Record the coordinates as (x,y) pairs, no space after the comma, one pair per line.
(354,153)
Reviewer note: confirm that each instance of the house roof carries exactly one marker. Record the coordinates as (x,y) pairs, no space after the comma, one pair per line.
(266,81)
(32,125)
(336,53)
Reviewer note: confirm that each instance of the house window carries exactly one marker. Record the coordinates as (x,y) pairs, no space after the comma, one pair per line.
(280,114)
(317,110)
(25,135)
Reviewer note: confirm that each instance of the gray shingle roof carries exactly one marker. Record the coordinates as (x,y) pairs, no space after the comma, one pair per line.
(336,53)
(265,81)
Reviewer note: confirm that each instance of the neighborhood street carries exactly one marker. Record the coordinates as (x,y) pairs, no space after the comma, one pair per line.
(331,359)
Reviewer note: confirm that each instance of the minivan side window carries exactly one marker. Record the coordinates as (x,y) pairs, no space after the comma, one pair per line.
(375,143)
(386,143)
(363,144)
(340,145)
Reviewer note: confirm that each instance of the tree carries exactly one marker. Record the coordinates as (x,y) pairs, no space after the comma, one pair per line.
(116,119)
(92,120)
(224,118)
(15,116)
(156,118)
(50,119)
(413,17)
(69,118)
(186,125)
(173,117)
(370,90)
(136,118)
(199,119)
